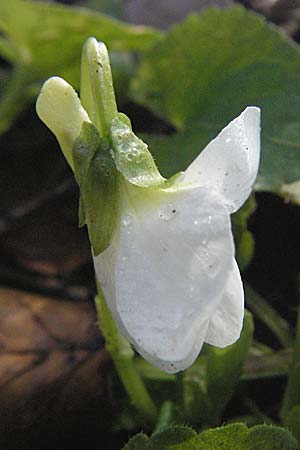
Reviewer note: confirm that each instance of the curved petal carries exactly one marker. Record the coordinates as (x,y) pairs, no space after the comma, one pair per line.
(226,323)
(164,275)
(229,163)
(59,107)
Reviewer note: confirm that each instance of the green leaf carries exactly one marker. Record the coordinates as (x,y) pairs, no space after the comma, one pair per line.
(205,71)
(292,421)
(230,437)
(174,438)
(15,94)
(206,60)
(239,437)
(268,437)
(224,368)
(138,442)
(96,176)
(113,8)
(132,156)
(35,31)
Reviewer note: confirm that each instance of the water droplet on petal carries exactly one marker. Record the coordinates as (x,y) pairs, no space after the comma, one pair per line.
(127,221)
(119,138)
(204,238)
(129,156)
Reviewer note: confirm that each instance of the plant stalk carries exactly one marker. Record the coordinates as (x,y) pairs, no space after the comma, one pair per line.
(123,358)
(292,393)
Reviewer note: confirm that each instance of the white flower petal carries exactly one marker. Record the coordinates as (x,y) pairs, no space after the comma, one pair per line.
(226,323)
(165,272)
(59,107)
(229,163)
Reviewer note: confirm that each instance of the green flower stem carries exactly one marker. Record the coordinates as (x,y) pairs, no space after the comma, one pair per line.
(96,86)
(292,392)
(122,356)
(269,316)
(165,417)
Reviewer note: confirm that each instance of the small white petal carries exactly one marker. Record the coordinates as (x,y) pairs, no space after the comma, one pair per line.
(226,323)
(229,163)
(164,274)
(59,107)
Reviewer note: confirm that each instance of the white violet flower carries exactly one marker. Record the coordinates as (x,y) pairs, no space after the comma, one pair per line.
(169,275)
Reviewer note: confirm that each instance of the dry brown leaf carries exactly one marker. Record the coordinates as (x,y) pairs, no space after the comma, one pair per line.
(52,360)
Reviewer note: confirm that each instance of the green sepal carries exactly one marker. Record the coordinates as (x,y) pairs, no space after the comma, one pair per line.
(96,85)
(84,148)
(125,119)
(96,175)
(173,180)
(132,156)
